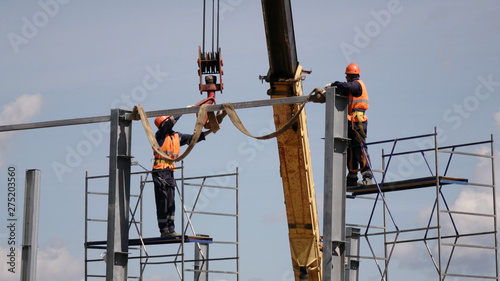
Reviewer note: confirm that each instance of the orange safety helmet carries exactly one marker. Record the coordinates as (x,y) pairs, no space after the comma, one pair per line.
(160,120)
(352,69)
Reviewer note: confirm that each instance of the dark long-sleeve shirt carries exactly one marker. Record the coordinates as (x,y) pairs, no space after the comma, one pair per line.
(166,129)
(352,87)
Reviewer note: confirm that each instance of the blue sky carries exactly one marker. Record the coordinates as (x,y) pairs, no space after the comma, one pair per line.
(426,64)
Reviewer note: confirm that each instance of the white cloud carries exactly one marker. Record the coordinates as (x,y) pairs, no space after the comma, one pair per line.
(55,262)
(19,111)
(413,256)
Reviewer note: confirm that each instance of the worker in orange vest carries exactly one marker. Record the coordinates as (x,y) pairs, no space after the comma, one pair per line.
(355,89)
(163,171)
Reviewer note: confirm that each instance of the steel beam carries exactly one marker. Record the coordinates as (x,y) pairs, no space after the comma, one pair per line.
(119,196)
(55,123)
(201,262)
(352,250)
(336,143)
(155,113)
(30,221)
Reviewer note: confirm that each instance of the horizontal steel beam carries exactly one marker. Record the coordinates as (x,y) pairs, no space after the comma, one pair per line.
(155,113)
(236,105)
(55,123)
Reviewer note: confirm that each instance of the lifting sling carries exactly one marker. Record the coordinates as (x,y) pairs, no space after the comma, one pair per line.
(214,121)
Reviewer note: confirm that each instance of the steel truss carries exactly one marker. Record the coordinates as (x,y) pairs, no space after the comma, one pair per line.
(443,236)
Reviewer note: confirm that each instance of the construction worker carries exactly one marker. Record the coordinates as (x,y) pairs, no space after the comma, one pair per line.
(163,171)
(355,89)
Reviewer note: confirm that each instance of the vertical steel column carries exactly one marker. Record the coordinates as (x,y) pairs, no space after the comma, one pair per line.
(119,196)
(201,262)
(30,228)
(352,250)
(336,143)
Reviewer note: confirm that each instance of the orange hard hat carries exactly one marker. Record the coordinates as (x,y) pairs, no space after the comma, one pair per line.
(160,120)
(352,69)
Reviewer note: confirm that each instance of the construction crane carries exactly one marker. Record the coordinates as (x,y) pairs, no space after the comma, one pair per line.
(285,79)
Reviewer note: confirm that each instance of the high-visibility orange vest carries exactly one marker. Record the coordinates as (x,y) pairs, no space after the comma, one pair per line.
(358,104)
(171,146)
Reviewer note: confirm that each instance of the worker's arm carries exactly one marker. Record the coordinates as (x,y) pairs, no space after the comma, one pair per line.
(345,88)
(186,138)
(165,129)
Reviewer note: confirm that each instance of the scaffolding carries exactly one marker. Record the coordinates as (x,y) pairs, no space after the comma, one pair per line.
(213,196)
(448,236)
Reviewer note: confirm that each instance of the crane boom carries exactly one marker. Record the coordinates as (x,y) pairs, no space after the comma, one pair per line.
(285,78)
(280,38)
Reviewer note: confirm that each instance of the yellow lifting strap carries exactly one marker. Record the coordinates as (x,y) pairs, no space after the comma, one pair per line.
(139,113)
(213,123)
(231,112)
(316,95)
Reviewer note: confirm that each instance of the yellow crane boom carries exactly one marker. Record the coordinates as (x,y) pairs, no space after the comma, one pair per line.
(285,78)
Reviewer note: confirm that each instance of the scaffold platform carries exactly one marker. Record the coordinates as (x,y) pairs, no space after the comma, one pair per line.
(156,241)
(406,184)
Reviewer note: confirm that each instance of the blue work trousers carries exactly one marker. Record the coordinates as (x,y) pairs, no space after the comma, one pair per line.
(355,158)
(164,183)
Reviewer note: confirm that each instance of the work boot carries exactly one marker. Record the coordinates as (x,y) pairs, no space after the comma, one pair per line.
(169,234)
(367,178)
(352,179)
(365,182)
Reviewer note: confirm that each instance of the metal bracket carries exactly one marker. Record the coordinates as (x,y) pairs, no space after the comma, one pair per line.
(338,248)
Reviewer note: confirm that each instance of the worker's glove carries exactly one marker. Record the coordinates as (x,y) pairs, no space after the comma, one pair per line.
(328,85)
(318,96)
(174,119)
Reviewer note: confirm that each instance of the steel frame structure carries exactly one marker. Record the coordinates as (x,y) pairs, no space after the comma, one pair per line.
(30,225)
(120,161)
(336,144)
(180,258)
(433,231)
(334,218)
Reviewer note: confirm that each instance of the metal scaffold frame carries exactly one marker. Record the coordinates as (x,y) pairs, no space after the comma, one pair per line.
(442,236)
(179,258)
